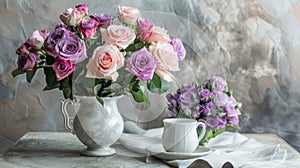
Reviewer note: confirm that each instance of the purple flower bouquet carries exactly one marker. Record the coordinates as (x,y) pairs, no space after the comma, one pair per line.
(110,59)
(211,103)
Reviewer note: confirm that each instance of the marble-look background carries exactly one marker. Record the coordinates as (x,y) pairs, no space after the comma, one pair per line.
(254,44)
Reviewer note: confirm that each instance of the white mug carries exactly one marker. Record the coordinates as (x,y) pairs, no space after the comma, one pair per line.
(180,134)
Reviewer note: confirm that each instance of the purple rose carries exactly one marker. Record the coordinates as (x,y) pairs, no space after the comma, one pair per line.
(102,19)
(143,28)
(220,84)
(204,93)
(220,99)
(62,68)
(231,111)
(71,48)
(178,48)
(234,120)
(36,40)
(53,39)
(142,64)
(27,61)
(88,27)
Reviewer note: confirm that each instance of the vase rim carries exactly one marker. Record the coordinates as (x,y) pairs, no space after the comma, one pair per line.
(93,97)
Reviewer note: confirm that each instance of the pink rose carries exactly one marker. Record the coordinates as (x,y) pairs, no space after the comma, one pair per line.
(62,68)
(118,35)
(36,40)
(166,55)
(71,17)
(158,34)
(83,9)
(164,74)
(105,62)
(128,15)
(143,28)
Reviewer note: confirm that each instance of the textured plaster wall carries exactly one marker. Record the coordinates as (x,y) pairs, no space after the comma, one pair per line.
(254,44)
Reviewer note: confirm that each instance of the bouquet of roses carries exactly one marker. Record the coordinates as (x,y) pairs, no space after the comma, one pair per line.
(211,103)
(109,59)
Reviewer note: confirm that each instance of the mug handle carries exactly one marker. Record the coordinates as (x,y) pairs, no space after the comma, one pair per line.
(203,130)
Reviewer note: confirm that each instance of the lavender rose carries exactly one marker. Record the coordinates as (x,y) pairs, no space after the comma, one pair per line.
(62,68)
(143,28)
(178,48)
(27,61)
(71,48)
(88,27)
(220,84)
(53,38)
(142,64)
(102,19)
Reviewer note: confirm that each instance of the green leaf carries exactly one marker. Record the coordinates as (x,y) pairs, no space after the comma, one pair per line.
(97,88)
(156,85)
(30,74)
(68,93)
(137,93)
(100,100)
(139,45)
(64,83)
(50,79)
(16,72)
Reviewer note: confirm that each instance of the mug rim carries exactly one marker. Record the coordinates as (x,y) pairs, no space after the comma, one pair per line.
(181,121)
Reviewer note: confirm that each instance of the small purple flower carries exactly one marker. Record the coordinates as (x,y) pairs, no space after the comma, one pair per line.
(220,84)
(208,107)
(212,121)
(234,120)
(220,99)
(178,48)
(231,111)
(27,61)
(221,121)
(53,39)
(142,64)
(204,93)
(102,19)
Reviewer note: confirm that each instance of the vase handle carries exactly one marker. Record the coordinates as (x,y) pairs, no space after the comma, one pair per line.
(68,121)
(203,131)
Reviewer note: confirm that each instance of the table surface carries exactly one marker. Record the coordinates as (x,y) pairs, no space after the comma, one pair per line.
(61,149)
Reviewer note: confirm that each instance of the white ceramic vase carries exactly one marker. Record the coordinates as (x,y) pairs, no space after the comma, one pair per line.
(96,126)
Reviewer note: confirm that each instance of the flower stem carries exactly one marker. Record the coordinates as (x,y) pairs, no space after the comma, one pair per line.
(43,66)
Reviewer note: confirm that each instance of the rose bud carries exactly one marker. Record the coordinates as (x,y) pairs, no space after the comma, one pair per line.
(36,40)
